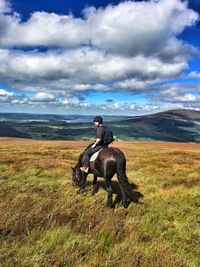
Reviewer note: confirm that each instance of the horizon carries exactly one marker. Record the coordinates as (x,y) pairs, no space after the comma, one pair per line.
(91,60)
(89,115)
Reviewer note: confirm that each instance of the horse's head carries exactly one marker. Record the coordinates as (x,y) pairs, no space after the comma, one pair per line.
(76,176)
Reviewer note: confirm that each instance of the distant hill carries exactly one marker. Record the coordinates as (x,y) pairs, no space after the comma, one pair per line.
(179,125)
(174,125)
(9,131)
(182,113)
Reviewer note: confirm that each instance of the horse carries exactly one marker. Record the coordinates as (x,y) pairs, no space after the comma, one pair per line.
(110,161)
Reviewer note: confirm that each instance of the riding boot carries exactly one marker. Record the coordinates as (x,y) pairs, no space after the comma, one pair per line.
(84,169)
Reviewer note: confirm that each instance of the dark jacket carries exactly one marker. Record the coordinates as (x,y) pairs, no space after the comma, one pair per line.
(100,135)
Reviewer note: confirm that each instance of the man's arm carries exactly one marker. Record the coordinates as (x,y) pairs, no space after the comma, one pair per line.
(96,142)
(99,136)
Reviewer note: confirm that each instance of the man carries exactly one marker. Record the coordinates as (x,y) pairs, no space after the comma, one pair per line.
(98,144)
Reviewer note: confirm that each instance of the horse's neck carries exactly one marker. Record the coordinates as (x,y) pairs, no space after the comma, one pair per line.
(79,163)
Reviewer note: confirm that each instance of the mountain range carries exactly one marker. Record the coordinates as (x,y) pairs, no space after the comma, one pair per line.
(179,125)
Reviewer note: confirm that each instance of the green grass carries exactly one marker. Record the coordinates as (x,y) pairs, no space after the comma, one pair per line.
(44,222)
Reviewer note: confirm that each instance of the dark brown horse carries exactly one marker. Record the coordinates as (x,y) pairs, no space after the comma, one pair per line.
(110,161)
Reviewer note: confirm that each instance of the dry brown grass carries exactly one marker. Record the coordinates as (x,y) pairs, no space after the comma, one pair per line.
(45,223)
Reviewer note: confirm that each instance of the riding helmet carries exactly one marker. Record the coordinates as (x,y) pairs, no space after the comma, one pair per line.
(98,119)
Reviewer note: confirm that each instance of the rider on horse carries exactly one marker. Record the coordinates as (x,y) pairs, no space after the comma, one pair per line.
(110,161)
(98,144)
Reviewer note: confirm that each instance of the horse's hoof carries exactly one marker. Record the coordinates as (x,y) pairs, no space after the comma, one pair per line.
(80,191)
(126,204)
(110,205)
(95,190)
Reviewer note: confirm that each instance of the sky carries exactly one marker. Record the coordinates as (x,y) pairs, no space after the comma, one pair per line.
(99,57)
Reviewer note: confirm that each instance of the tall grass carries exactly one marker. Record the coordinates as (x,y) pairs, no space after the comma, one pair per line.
(44,222)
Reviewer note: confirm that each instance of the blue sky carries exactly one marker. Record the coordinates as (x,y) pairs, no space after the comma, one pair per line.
(99,57)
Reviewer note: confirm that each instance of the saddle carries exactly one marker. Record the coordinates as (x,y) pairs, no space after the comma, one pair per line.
(95,155)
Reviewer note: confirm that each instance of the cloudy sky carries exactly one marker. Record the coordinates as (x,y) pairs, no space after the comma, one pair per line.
(99,57)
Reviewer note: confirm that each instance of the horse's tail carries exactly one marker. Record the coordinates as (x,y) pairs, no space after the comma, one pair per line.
(125,187)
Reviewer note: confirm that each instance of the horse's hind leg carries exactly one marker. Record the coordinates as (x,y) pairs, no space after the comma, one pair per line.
(109,191)
(122,185)
(125,201)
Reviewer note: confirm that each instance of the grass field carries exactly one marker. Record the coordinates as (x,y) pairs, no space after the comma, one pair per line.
(44,222)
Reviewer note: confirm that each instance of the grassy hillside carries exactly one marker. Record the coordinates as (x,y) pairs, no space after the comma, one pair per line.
(45,223)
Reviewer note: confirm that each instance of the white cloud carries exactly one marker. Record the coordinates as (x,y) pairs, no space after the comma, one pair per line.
(5,93)
(6,97)
(142,36)
(188,98)
(83,66)
(128,28)
(139,27)
(84,87)
(136,84)
(43,101)
(178,93)
(47,29)
(131,46)
(4,6)
(43,97)
(194,74)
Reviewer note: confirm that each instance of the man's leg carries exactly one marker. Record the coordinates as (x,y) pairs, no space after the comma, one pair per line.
(86,158)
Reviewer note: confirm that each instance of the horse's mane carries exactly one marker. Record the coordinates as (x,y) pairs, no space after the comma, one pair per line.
(79,163)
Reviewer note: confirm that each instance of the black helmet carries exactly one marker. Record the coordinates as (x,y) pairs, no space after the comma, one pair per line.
(98,119)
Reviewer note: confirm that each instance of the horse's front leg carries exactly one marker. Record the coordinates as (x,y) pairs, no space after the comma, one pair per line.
(109,191)
(83,183)
(95,186)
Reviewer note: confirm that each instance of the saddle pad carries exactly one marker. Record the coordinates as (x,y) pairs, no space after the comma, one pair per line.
(95,155)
